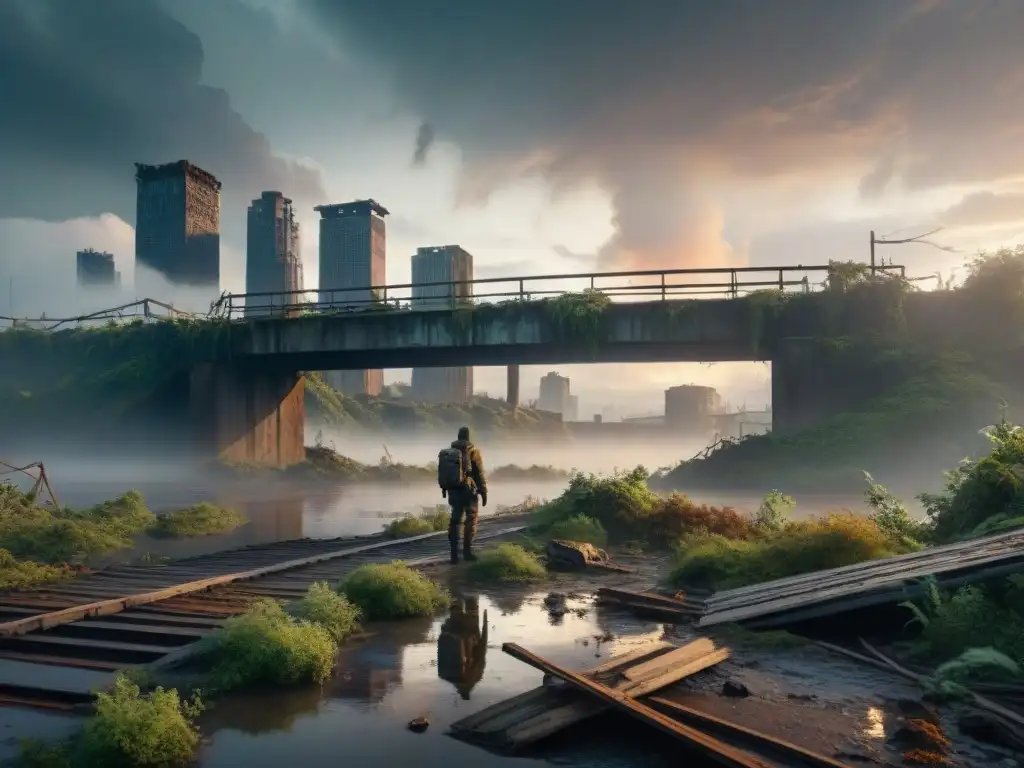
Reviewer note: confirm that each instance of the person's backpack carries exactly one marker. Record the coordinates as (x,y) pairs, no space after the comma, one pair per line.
(453,469)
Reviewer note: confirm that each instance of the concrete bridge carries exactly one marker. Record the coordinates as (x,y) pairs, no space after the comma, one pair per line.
(250,399)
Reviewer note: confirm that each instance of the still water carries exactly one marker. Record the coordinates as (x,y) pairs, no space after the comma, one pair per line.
(444,670)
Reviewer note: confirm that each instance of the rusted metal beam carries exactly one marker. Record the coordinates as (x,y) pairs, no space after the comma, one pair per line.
(712,748)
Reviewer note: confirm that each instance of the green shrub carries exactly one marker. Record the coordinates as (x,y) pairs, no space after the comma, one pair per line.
(892,518)
(985,495)
(774,512)
(716,562)
(62,534)
(507,562)
(582,528)
(393,591)
(130,728)
(323,606)
(971,617)
(266,645)
(203,519)
(428,521)
(18,574)
(629,511)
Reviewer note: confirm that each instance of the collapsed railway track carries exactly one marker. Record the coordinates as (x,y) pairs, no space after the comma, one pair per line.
(60,642)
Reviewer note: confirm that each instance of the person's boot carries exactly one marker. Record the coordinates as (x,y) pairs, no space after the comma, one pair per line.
(467,547)
(454,542)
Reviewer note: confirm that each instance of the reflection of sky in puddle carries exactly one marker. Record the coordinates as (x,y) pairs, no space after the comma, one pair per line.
(360,716)
(874,723)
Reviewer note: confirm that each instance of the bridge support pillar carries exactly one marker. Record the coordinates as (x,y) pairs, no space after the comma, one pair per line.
(512,388)
(803,393)
(247,416)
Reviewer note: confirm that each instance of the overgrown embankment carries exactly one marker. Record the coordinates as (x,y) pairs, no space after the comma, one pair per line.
(41,543)
(910,388)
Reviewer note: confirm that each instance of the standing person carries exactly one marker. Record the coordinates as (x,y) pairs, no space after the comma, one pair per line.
(460,473)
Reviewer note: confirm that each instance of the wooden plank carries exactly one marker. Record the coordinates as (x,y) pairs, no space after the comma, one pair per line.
(700,647)
(81,642)
(665,676)
(792,754)
(877,596)
(62,661)
(628,658)
(716,750)
(1005,542)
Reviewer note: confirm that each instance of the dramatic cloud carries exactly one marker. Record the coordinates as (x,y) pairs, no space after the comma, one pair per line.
(985,208)
(424,140)
(672,105)
(92,87)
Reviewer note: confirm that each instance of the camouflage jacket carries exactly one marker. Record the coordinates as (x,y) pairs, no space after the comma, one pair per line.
(477,476)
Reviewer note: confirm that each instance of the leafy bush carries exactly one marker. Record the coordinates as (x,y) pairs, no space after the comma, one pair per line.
(774,512)
(130,728)
(18,574)
(629,511)
(203,519)
(892,518)
(971,617)
(582,528)
(839,539)
(428,521)
(393,591)
(322,605)
(507,562)
(62,534)
(983,496)
(266,645)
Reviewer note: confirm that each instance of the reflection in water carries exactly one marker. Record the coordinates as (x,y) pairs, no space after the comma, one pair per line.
(874,723)
(427,669)
(462,647)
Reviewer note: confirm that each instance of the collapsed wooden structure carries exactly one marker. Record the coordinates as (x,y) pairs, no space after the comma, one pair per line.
(878,582)
(621,684)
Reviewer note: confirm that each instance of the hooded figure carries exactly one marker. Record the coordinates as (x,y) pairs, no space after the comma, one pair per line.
(464,501)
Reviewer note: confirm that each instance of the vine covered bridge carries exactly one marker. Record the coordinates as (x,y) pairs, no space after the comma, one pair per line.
(247,390)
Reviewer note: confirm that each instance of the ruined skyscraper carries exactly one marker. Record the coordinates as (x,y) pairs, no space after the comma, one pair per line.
(554,394)
(353,248)
(272,261)
(177,226)
(689,408)
(453,266)
(96,268)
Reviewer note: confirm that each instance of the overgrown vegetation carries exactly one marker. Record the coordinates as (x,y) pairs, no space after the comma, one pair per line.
(322,605)
(129,729)
(203,519)
(329,408)
(57,535)
(393,591)
(507,563)
(628,511)
(428,521)
(581,528)
(267,645)
(19,574)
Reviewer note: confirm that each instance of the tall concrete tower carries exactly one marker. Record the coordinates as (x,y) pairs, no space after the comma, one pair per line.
(272,261)
(353,258)
(452,266)
(177,227)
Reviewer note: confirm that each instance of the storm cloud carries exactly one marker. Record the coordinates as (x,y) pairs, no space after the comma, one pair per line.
(92,87)
(674,106)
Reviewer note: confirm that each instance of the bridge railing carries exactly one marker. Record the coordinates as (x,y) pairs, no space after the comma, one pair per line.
(648,285)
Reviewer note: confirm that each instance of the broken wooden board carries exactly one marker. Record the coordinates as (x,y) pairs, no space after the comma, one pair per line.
(712,748)
(648,602)
(513,724)
(824,593)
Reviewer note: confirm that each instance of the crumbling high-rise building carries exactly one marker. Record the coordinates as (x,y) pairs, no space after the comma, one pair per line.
(353,260)
(450,268)
(554,394)
(272,261)
(177,226)
(690,408)
(96,268)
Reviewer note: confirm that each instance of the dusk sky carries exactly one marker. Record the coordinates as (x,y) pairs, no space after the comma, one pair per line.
(543,137)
